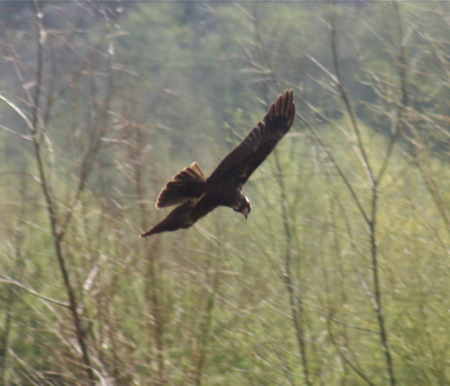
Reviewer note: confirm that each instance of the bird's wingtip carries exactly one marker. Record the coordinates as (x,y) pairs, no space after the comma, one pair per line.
(145,234)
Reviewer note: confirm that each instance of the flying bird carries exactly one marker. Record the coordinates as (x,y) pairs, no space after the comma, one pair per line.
(196,195)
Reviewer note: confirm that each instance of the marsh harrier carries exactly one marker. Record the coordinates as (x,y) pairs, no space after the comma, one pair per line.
(197,195)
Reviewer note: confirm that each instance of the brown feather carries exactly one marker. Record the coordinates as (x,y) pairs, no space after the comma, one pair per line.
(243,160)
(186,184)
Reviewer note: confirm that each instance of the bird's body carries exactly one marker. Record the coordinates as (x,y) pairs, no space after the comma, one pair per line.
(196,195)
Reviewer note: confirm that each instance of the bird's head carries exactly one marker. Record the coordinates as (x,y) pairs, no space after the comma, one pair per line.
(244,206)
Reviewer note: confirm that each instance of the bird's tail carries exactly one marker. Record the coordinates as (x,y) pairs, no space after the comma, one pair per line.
(187,184)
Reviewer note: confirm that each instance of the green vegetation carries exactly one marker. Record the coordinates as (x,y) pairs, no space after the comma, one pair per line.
(340,276)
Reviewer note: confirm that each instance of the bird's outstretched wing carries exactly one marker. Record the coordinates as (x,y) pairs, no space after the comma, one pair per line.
(185,185)
(240,163)
(184,215)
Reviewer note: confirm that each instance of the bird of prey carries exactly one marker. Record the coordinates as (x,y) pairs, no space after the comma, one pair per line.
(196,195)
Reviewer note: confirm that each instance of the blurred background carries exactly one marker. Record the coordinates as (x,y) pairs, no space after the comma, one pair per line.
(340,276)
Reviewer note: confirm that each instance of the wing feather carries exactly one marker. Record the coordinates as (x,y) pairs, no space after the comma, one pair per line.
(184,215)
(242,161)
(187,184)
